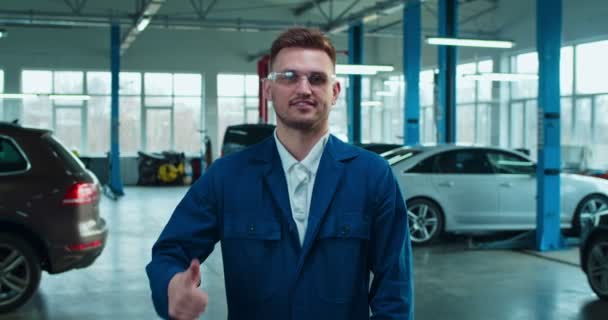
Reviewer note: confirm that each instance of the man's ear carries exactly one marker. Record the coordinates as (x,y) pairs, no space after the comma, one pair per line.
(266,89)
(336,90)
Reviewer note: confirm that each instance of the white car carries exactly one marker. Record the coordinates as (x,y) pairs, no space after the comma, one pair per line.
(467,189)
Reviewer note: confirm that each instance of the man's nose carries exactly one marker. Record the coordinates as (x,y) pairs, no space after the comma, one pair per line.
(303,86)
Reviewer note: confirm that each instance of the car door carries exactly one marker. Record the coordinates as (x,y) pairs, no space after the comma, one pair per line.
(468,188)
(516,181)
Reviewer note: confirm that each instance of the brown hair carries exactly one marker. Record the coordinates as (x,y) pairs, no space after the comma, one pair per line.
(303,38)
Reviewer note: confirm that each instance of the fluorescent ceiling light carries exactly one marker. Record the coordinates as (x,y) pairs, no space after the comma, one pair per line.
(394,83)
(394,9)
(500,76)
(470,42)
(370,18)
(71,97)
(17,95)
(143,23)
(362,69)
(371,103)
(384,94)
(2,34)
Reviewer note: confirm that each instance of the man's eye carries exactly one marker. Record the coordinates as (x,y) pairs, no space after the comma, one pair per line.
(317,78)
(289,75)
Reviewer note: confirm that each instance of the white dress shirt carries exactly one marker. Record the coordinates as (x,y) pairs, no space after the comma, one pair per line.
(300,176)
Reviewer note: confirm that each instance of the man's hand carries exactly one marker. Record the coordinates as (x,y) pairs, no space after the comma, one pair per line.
(186,301)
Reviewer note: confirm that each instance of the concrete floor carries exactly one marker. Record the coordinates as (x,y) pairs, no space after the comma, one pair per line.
(451,281)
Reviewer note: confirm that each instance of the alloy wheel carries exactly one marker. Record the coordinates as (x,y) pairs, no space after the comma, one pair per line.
(597,267)
(15,272)
(423,222)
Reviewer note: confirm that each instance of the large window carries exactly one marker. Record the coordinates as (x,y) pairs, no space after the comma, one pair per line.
(158,111)
(2,113)
(474,104)
(237,101)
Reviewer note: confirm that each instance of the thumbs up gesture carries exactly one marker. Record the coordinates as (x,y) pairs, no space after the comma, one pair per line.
(186,301)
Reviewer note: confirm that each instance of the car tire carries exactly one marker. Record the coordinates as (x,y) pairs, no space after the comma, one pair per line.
(596,263)
(19,272)
(425,220)
(580,209)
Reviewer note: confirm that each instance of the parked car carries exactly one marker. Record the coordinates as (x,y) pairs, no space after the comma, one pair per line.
(239,137)
(379,148)
(49,212)
(594,254)
(466,189)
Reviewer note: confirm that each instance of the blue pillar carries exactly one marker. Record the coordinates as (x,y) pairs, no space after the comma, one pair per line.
(548,35)
(447,57)
(411,66)
(355,56)
(115,179)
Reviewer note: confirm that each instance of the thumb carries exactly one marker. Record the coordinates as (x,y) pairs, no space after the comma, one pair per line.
(194,272)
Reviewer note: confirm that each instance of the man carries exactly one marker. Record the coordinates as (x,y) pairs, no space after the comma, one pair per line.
(302,217)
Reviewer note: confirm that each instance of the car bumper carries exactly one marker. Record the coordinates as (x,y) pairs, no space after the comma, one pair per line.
(63,258)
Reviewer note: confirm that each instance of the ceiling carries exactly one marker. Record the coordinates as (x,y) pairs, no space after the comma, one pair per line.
(476,17)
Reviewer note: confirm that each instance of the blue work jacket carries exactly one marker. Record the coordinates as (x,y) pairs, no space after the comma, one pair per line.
(357,225)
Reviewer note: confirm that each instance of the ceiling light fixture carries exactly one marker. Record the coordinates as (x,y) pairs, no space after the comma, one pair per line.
(143,23)
(492,76)
(3,33)
(461,42)
(71,97)
(371,103)
(362,69)
(17,95)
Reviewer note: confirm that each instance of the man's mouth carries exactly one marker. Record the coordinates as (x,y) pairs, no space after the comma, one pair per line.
(303,103)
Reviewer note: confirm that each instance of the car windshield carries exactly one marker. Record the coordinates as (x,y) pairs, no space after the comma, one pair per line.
(395,156)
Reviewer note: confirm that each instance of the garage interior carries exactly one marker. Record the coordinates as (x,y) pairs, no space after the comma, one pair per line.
(187,70)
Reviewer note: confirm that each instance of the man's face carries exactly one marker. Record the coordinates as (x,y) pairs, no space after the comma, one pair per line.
(300,104)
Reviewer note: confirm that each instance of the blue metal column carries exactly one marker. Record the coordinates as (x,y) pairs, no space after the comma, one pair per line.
(115,179)
(447,57)
(355,56)
(411,66)
(548,35)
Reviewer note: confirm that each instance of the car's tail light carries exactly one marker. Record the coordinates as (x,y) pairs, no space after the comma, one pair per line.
(84,246)
(81,193)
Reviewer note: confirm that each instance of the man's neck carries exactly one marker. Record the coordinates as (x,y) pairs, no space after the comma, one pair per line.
(299,142)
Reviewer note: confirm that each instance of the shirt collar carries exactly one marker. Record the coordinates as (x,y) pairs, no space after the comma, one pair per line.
(311,161)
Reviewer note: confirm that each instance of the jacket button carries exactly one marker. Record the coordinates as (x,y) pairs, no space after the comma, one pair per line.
(251,228)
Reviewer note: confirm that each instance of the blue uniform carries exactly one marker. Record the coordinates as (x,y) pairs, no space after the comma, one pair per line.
(357,225)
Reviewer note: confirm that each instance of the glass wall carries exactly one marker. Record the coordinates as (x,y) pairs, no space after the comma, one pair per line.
(474,104)
(2,115)
(158,111)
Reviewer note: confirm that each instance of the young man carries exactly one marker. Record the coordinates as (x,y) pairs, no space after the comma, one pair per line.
(302,217)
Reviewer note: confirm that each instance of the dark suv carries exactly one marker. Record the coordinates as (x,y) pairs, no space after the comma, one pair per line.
(49,212)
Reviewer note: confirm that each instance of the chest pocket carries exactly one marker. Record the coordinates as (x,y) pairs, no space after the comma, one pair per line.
(251,251)
(346,225)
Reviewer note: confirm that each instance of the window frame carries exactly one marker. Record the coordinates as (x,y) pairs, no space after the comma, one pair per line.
(20,151)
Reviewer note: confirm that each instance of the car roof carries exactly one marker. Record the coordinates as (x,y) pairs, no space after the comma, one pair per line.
(16,129)
(436,148)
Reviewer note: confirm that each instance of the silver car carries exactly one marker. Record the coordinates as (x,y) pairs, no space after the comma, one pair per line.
(467,189)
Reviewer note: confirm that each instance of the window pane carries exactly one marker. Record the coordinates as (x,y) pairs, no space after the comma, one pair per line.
(186,123)
(252,84)
(1,91)
(10,158)
(565,70)
(532,127)
(68,127)
(366,87)
(526,63)
(338,119)
(187,84)
(517,125)
(230,85)
(68,82)
(600,149)
(591,67)
(130,125)
(484,133)
(426,87)
(230,111)
(465,88)
(505,163)
(251,110)
(582,121)
(38,112)
(158,84)
(485,87)
(98,124)
(158,130)
(33,81)
(99,83)
(130,83)
(464,162)
(158,101)
(1,80)
(429,128)
(465,131)
(566,121)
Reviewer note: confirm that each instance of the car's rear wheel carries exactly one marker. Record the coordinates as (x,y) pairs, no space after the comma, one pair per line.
(597,266)
(425,221)
(586,211)
(19,272)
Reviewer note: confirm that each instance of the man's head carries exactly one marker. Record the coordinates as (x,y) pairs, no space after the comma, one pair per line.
(302,83)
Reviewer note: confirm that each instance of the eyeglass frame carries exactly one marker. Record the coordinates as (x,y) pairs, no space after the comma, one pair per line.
(329,77)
